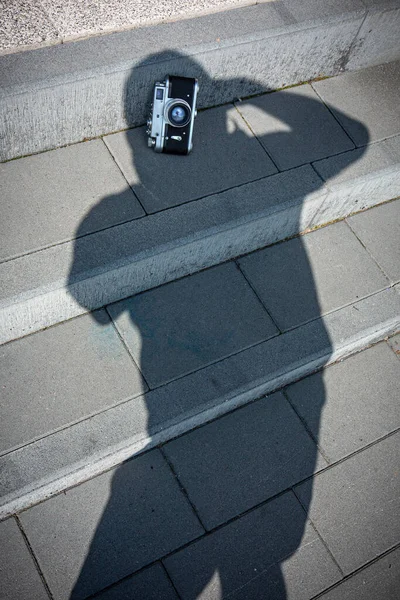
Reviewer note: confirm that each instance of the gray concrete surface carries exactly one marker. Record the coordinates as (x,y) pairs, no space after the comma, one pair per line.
(342,272)
(70,92)
(19,577)
(355,179)
(215,222)
(268,432)
(40,289)
(37,23)
(360,398)
(152,496)
(369,96)
(367,484)
(312,130)
(380,234)
(25,23)
(67,373)
(167,330)
(152,584)
(157,179)
(381,578)
(294,545)
(65,457)
(394,343)
(58,283)
(245,555)
(48,194)
(378,37)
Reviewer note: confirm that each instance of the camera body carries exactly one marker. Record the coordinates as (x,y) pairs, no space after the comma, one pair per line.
(170,126)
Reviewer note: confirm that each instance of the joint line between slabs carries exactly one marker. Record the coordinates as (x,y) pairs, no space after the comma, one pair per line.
(123,175)
(307,514)
(114,325)
(33,556)
(356,571)
(182,487)
(304,423)
(368,251)
(258,298)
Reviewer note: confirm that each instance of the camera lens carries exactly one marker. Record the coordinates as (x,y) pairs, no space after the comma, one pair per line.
(178,113)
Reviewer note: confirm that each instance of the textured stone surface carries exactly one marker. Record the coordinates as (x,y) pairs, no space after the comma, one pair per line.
(379,231)
(360,164)
(377,41)
(61,375)
(95,534)
(65,458)
(394,343)
(379,580)
(294,126)
(63,281)
(162,180)
(358,399)
(359,179)
(188,324)
(356,504)
(270,553)
(368,97)
(24,23)
(242,459)
(234,54)
(19,578)
(312,275)
(75,18)
(46,196)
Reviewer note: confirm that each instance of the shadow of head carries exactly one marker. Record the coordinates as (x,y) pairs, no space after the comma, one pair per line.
(235,143)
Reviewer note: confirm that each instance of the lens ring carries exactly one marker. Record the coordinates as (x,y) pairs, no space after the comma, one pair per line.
(178,113)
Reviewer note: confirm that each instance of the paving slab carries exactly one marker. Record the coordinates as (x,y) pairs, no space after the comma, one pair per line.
(381,579)
(61,375)
(295,127)
(65,458)
(359,179)
(312,275)
(93,535)
(232,464)
(365,99)
(150,584)
(394,343)
(188,324)
(161,180)
(272,553)
(379,231)
(46,196)
(358,399)
(355,505)
(19,577)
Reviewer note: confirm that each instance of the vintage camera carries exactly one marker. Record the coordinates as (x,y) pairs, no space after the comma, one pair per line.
(170,126)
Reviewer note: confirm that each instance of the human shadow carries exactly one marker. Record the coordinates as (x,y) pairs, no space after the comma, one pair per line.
(167,344)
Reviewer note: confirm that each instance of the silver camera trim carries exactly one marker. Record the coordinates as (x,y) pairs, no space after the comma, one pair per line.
(158,120)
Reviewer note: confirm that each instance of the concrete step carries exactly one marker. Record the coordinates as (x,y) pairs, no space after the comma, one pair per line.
(67,279)
(84,395)
(70,92)
(78,451)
